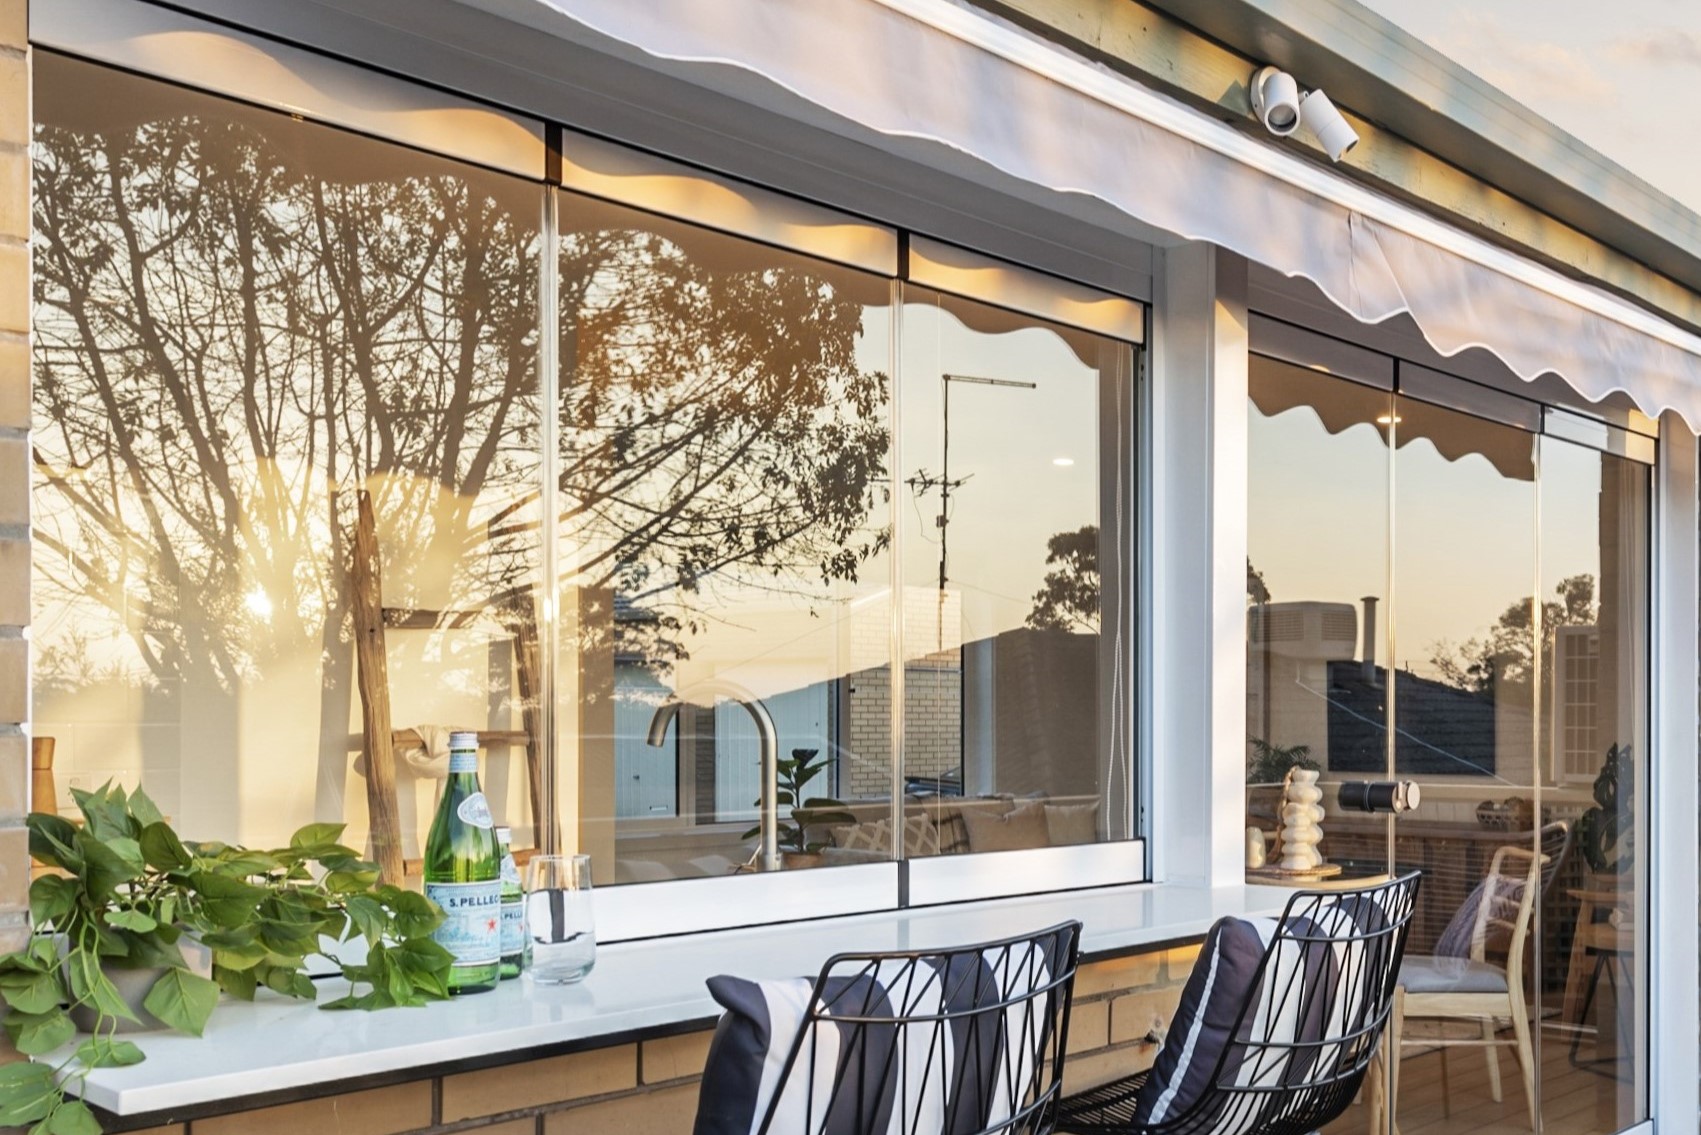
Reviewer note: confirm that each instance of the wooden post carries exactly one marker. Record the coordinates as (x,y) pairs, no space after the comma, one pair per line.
(522,618)
(376,741)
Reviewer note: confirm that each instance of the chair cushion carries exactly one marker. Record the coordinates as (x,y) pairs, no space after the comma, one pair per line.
(755,1036)
(920,836)
(1067,825)
(1230,1005)
(1019,829)
(1451,975)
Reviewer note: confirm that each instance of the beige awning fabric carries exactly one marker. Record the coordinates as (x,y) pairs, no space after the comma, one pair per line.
(1338,405)
(959,89)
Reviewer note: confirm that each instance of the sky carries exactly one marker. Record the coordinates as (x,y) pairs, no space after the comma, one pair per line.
(1624,77)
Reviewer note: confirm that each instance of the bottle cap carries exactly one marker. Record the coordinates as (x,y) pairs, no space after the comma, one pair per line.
(504,835)
(463,741)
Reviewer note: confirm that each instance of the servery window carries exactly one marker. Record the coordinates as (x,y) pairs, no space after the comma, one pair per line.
(743,550)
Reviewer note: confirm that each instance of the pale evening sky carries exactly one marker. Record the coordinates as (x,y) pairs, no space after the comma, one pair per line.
(1623,77)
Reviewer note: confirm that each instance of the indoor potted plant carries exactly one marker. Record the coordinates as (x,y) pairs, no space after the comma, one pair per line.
(128,894)
(1605,833)
(796,848)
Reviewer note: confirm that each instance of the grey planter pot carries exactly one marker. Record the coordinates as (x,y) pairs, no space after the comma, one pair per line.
(134,985)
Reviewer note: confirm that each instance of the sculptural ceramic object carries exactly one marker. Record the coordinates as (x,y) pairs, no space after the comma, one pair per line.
(1302,812)
(1255,849)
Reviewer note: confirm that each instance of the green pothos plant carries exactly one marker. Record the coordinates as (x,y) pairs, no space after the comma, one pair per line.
(128,892)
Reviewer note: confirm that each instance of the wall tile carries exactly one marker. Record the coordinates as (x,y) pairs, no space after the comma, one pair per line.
(14,23)
(14,194)
(14,97)
(538,1082)
(14,270)
(674,1057)
(1136,1014)
(667,1111)
(14,382)
(14,583)
(1118,974)
(14,778)
(381,1111)
(14,680)
(1089,1026)
(525,1126)
(14,870)
(14,481)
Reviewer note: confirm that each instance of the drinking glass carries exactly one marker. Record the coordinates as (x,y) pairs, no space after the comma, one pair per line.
(560,924)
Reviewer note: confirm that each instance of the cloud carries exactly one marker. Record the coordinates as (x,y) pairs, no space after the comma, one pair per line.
(1669,47)
(1534,72)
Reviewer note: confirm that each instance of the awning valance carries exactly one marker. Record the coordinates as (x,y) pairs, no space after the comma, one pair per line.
(939,75)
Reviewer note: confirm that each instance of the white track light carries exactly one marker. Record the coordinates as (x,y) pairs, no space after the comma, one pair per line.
(1275,100)
(1334,133)
(1282,107)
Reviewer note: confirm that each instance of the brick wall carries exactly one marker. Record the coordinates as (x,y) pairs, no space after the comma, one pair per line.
(650,1088)
(14,466)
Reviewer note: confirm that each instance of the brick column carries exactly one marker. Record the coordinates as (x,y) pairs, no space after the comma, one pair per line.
(15,295)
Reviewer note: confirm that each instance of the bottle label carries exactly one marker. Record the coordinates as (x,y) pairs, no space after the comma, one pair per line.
(513,927)
(475,811)
(510,871)
(472,920)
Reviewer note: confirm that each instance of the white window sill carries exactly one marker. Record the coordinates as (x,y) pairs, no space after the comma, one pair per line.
(280,1046)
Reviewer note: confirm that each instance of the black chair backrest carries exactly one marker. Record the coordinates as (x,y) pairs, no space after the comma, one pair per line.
(965,1041)
(1322,996)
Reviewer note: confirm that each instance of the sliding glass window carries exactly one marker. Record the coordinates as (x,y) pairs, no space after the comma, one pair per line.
(1015,498)
(1449,585)
(341,444)
(725,425)
(286,396)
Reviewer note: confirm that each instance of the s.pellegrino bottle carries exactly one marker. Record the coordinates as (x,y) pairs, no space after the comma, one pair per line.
(513,909)
(463,873)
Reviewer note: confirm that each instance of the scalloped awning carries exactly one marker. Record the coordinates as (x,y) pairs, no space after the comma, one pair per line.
(939,77)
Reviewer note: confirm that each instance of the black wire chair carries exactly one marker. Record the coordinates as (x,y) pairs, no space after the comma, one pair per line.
(1303,1038)
(967,1041)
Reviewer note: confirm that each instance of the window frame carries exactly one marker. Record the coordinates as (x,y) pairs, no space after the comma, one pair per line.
(302,82)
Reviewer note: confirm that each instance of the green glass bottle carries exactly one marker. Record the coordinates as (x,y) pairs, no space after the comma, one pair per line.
(463,873)
(513,909)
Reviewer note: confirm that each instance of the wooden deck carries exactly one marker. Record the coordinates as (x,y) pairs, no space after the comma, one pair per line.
(1575,1100)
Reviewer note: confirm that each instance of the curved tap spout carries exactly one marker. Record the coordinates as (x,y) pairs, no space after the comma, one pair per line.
(768,742)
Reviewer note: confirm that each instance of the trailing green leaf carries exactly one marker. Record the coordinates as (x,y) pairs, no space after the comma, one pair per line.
(133,888)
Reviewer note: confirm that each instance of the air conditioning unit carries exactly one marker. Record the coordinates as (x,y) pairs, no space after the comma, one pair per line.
(1577,751)
(1308,630)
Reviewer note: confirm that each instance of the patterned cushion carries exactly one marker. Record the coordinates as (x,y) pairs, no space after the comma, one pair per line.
(961,1068)
(1203,1047)
(920,836)
(953,833)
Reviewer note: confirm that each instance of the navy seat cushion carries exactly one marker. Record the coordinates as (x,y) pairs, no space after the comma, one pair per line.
(1222,982)
(1237,1025)
(846,1076)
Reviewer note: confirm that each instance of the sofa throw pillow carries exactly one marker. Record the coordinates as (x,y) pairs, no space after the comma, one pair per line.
(961,1072)
(1017,830)
(920,836)
(1069,824)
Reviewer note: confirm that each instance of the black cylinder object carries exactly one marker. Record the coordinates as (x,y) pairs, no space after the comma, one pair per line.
(1378,795)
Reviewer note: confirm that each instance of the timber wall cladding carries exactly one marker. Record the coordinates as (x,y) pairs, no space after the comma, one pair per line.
(650,1088)
(15,117)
